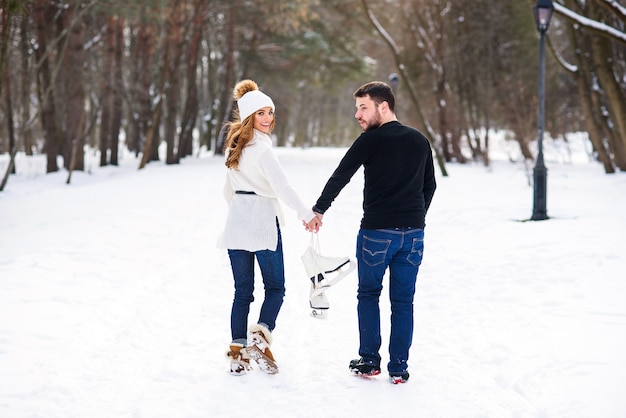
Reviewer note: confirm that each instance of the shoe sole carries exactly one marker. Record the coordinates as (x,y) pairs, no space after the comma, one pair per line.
(265,363)
(366,375)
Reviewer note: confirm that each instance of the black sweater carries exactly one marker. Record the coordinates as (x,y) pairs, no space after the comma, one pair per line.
(399,177)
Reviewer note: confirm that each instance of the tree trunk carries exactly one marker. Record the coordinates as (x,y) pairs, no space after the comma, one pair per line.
(602,98)
(134,91)
(171,64)
(148,148)
(442,120)
(146,45)
(5,178)
(5,87)
(583,83)
(118,91)
(9,118)
(188,122)
(146,40)
(25,77)
(4,40)
(603,60)
(226,102)
(107,92)
(46,98)
(75,89)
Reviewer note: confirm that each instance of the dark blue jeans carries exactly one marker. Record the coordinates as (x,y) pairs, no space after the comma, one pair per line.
(272,268)
(400,250)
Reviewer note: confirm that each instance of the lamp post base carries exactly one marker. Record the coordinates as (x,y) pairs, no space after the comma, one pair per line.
(540,182)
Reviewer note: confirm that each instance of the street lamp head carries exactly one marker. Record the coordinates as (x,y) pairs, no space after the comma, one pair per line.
(543,13)
(393,80)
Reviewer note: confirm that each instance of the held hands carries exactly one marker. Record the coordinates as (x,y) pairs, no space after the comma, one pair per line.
(315,223)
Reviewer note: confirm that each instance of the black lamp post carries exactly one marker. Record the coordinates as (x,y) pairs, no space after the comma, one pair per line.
(543,13)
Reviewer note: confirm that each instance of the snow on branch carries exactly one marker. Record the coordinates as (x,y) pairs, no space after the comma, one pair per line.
(572,68)
(618,8)
(381,29)
(603,28)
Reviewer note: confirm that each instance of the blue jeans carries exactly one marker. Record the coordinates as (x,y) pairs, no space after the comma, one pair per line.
(400,250)
(272,268)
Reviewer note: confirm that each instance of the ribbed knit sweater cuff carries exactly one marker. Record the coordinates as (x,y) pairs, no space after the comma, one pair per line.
(318,210)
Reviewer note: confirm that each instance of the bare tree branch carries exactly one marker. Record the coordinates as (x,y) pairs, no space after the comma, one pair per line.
(598,27)
(570,68)
(407,80)
(616,7)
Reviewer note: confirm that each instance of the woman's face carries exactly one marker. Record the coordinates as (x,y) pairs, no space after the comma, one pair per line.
(263,119)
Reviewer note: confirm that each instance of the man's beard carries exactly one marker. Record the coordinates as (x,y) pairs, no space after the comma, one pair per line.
(374,123)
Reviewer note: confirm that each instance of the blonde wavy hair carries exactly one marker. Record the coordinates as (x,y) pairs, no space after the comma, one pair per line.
(240,133)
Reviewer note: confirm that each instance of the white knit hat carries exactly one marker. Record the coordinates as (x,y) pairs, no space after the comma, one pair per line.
(253,101)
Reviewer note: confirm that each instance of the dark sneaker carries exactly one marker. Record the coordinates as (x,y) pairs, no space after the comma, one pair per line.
(360,368)
(398,378)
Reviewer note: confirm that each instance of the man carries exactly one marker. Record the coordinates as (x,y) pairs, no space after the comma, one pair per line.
(399,186)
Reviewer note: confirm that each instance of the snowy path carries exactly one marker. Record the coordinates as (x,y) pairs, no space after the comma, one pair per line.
(114,301)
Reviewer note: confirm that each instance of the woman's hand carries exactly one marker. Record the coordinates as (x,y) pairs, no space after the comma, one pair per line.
(314,224)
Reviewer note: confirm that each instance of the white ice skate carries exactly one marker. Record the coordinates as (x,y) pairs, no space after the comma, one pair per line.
(324,272)
(319,304)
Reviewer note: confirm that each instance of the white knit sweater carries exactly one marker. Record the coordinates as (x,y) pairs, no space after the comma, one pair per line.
(251,221)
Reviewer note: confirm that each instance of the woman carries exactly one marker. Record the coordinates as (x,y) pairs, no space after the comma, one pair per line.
(255,182)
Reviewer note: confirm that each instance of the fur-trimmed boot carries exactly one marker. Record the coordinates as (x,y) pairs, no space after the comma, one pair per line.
(259,342)
(239,359)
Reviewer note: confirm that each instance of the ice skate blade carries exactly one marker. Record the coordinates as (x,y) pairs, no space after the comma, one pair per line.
(319,301)
(319,313)
(342,263)
(316,263)
(322,285)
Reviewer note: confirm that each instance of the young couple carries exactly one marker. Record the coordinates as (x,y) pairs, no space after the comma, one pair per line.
(399,186)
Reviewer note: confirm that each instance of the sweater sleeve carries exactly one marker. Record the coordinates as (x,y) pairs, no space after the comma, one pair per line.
(430,183)
(349,164)
(228,191)
(271,167)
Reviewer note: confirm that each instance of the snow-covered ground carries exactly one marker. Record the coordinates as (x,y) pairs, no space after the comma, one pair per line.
(114,301)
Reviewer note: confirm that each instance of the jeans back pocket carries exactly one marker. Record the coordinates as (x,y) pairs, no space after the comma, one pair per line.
(374,251)
(417,251)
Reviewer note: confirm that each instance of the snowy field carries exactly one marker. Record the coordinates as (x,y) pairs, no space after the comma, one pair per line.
(114,301)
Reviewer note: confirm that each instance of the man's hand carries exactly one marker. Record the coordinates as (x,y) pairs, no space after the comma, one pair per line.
(314,224)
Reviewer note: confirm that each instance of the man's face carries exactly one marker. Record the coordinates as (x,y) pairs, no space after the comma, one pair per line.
(367,113)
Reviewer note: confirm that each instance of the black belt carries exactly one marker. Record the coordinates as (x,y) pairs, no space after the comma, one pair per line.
(243,192)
